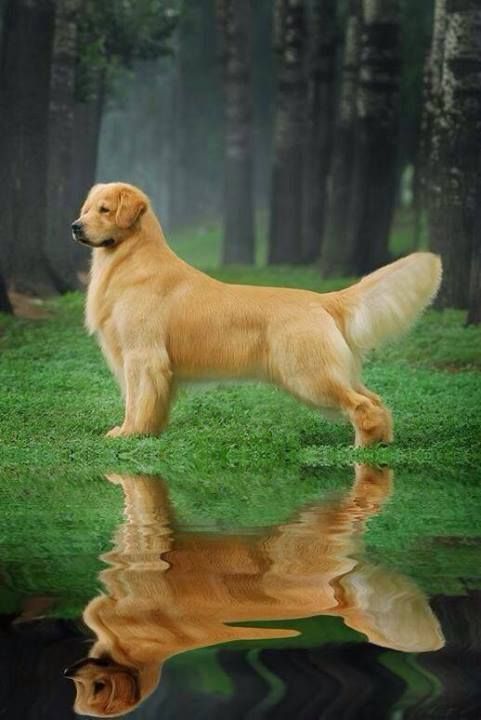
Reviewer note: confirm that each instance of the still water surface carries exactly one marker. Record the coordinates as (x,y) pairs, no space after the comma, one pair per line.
(308,618)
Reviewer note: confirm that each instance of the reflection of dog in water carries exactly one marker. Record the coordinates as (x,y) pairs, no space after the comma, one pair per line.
(169,592)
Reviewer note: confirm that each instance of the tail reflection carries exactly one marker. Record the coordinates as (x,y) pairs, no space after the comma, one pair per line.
(168,592)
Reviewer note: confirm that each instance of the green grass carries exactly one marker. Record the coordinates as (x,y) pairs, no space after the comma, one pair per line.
(233,455)
(59,398)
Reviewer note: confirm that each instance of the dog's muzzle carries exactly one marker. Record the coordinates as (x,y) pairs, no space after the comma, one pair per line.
(71,671)
(78,235)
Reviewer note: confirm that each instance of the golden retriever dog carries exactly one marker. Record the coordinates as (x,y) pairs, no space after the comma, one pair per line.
(170,592)
(160,321)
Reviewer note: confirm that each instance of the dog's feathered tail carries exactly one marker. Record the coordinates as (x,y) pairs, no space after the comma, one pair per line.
(387,302)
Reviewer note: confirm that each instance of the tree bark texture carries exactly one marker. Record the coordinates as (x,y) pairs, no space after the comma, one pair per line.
(235,29)
(285,232)
(24,92)
(474,300)
(5,304)
(61,205)
(336,255)
(456,180)
(320,114)
(432,106)
(378,108)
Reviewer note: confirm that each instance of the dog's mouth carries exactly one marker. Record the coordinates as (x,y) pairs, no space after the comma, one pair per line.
(80,237)
(104,663)
(71,671)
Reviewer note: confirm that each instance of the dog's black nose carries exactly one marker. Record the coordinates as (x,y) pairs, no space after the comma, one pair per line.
(76,226)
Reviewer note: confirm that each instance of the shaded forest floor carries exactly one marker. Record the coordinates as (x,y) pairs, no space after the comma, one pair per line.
(233,455)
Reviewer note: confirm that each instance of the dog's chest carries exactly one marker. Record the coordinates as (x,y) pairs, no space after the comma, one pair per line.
(98,307)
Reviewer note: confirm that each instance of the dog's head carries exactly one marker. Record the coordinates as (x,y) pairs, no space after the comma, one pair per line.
(110,214)
(107,689)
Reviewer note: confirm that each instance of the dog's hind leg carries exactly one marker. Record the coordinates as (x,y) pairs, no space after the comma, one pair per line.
(148,394)
(360,388)
(371,421)
(320,369)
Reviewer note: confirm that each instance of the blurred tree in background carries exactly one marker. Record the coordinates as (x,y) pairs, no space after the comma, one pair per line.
(453,171)
(60,165)
(326,123)
(27,36)
(45,51)
(336,250)
(375,182)
(321,73)
(286,212)
(235,26)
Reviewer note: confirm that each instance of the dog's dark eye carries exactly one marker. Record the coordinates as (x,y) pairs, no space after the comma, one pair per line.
(98,686)
(104,209)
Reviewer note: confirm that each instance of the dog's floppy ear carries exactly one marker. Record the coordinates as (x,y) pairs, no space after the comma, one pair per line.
(130,208)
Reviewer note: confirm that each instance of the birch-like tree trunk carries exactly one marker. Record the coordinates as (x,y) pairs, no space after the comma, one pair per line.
(61,208)
(235,29)
(285,232)
(24,88)
(456,184)
(336,255)
(320,113)
(378,107)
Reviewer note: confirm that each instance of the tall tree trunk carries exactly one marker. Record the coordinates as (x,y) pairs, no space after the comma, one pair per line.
(320,112)
(433,126)
(24,92)
(474,300)
(60,209)
(456,186)
(235,28)
(336,256)
(3,8)
(5,304)
(420,183)
(432,111)
(378,106)
(474,305)
(285,232)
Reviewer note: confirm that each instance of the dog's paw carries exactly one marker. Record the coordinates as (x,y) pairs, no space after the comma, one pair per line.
(115,432)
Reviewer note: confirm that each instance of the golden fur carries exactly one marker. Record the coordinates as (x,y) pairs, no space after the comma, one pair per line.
(167,593)
(160,321)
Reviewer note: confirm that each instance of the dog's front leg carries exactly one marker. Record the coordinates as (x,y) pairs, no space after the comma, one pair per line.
(148,390)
